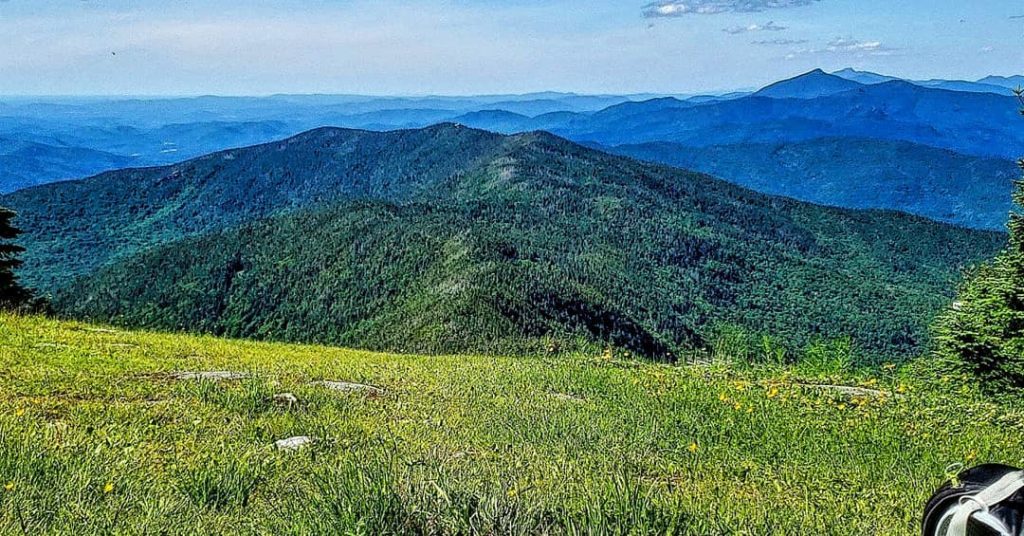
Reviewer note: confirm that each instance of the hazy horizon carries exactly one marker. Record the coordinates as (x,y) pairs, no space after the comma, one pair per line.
(484,47)
(538,93)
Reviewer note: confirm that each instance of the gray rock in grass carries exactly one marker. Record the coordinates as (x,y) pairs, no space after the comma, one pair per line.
(293,444)
(286,399)
(349,387)
(846,390)
(216,375)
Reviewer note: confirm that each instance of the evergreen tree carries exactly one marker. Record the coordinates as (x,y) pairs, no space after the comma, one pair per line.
(12,294)
(984,330)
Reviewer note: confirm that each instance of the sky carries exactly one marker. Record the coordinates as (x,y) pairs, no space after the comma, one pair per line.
(464,47)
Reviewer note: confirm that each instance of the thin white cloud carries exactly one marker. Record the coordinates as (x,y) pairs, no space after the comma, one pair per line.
(780,42)
(766,27)
(679,8)
(847,46)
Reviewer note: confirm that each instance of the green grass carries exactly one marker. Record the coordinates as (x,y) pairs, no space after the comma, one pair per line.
(96,438)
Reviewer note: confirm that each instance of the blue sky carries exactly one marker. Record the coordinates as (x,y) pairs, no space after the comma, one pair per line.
(235,47)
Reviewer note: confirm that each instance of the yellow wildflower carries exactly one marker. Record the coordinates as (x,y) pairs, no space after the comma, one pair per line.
(19,412)
(9,486)
(773,392)
(109,488)
(693,447)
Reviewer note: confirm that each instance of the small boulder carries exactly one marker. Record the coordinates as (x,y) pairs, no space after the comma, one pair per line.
(293,443)
(286,399)
(846,390)
(217,375)
(349,387)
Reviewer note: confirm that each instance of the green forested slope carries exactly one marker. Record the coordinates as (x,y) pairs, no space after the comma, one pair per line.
(460,240)
(75,227)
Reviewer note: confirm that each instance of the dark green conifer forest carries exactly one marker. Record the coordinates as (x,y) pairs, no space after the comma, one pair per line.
(12,293)
(984,330)
(452,240)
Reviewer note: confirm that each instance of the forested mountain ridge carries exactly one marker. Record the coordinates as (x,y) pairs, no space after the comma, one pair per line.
(119,212)
(450,239)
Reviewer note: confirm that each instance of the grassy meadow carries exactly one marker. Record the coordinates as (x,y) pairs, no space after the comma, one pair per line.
(98,437)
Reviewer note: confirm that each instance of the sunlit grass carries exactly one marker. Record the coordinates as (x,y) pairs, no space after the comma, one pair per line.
(97,437)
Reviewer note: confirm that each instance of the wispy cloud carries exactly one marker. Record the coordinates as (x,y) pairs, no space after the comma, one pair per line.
(848,46)
(679,8)
(1016,17)
(987,49)
(780,42)
(766,27)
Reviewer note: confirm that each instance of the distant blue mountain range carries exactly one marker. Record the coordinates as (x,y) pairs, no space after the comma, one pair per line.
(937,148)
(1000,85)
(858,173)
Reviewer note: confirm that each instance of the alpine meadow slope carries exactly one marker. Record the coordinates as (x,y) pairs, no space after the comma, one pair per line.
(450,239)
(97,437)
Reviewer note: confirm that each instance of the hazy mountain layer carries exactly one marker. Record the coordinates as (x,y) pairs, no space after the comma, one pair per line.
(858,173)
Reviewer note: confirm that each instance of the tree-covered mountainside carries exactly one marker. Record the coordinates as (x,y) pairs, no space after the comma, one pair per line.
(857,173)
(450,239)
(74,227)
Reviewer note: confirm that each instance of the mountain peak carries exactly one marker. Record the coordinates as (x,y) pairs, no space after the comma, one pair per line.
(810,85)
(863,77)
(1009,82)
